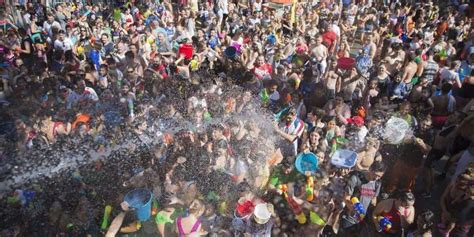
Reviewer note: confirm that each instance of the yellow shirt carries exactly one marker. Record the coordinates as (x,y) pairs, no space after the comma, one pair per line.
(194,65)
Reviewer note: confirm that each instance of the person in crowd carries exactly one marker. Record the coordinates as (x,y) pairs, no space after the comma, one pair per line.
(399,211)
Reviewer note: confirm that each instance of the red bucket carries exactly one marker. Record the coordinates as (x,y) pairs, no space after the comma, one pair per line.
(346,63)
(186,50)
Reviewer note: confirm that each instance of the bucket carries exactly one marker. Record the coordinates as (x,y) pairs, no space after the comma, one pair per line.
(345,63)
(140,200)
(230,52)
(395,130)
(306,162)
(261,213)
(344,158)
(186,50)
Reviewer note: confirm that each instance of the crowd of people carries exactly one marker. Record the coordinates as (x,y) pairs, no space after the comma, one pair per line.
(208,104)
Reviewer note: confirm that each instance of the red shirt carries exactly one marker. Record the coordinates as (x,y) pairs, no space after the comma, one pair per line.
(329,38)
(262,71)
(162,70)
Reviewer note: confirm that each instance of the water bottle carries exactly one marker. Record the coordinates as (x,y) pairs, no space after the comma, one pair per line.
(130,107)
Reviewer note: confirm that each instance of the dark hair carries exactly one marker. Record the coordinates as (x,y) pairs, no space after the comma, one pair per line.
(104,66)
(408,197)
(22,31)
(111,61)
(430,53)
(272,83)
(378,166)
(428,219)
(446,88)
(130,54)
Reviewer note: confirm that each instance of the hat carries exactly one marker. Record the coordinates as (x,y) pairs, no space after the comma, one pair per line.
(261,214)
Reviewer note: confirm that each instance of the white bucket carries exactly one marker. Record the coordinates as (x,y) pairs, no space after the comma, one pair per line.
(395,130)
(261,213)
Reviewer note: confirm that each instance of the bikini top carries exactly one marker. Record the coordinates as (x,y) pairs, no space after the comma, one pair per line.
(181,230)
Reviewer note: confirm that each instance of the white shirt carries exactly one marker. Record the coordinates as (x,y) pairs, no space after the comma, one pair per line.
(89,94)
(336,29)
(65,45)
(49,27)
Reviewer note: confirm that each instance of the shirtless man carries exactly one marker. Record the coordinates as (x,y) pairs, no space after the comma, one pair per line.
(370,46)
(350,83)
(409,73)
(322,212)
(333,81)
(442,106)
(368,155)
(52,129)
(320,52)
(395,59)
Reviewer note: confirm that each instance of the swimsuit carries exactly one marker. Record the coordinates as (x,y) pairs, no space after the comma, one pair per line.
(55,127)
(181,230)
(395,217)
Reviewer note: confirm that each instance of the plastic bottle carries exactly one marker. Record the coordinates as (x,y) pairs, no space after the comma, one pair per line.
(130,107)
(358,209)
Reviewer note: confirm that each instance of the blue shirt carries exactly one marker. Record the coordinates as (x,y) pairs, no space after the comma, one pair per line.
(399,90)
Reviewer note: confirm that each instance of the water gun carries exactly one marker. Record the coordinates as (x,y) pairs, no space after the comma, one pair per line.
(316,219)
(295,207)
(384,223)
(281,189)
(280,114)
(358,208)
(105,219)
(309,188)
(154,207)
(264,96)
(24,197)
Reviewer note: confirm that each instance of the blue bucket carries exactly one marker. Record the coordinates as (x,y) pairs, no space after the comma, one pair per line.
(306,162)
(140,201)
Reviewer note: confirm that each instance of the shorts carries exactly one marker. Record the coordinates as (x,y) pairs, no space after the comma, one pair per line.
(330,93)
(369,28)
(438,120)
(433,155)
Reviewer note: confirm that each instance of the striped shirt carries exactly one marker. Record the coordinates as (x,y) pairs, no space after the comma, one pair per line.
(296,127)
(430,70)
